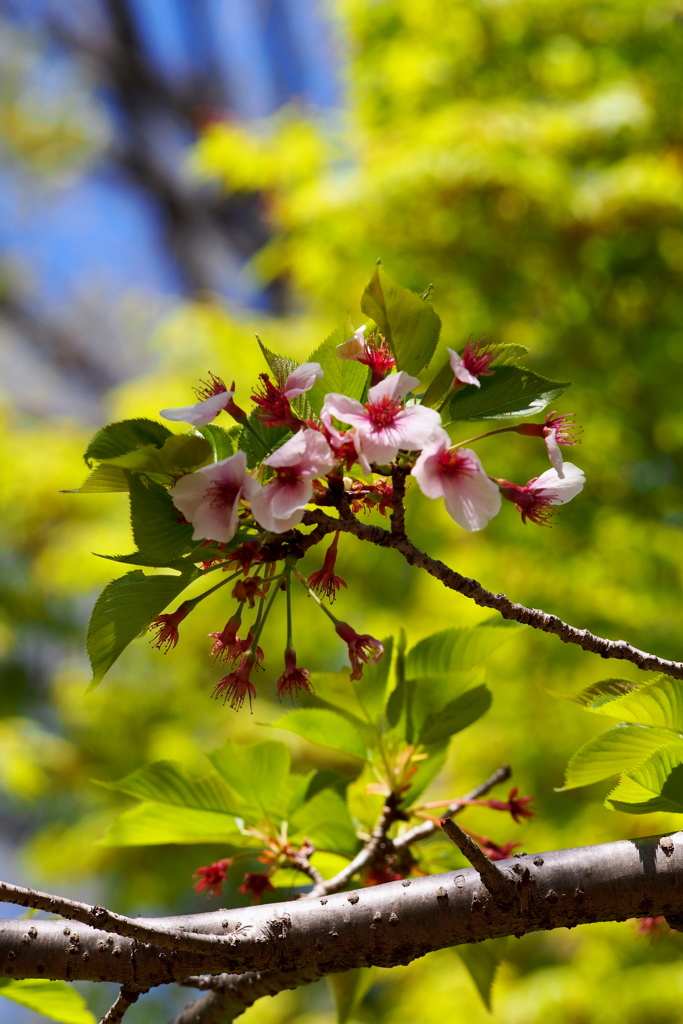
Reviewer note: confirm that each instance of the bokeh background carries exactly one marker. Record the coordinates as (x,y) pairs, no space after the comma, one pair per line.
(178,174)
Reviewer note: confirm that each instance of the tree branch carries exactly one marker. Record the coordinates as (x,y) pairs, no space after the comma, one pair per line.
(386,925)
(499,884)
(362,859)
(231,994)
(618,649)
(125,998)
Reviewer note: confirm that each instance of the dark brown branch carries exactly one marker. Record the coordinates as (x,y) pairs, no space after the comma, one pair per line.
(300,860)
(385,925)
(398,493)
(534,617)
(125,998)
(500,885)
(427,828)
(230,995)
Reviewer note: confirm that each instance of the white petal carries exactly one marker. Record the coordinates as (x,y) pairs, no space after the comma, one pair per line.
(354,346)
(559,490)
(554,453)
(471,499)
(395,387)
(200,413)
(288,500)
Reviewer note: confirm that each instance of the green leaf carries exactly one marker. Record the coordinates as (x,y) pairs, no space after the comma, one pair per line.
(456,650)
(342,376)
(326,728)
(656,784)
(257,441)
(325,820)
(509,354)
(124,609)
(482,960)
(456,715)
(371,690)
(223,442)
(656,703)
(614,751)
(426,772)
(332,689)
(280,366)
(168,782)
(601,693)
(259,774)
(349,989)
(406,320)
(102,480)
(154,519)
(119,438)
(156,824)
(180,453)
(137,558)
(509,392)
(439,387)
(397,705)
(54,999)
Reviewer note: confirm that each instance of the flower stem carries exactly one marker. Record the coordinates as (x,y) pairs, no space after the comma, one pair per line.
(311,593)
(480,437)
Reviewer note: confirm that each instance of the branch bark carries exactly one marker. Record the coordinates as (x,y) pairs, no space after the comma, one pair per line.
(231,994)
(385,925)
(534,617)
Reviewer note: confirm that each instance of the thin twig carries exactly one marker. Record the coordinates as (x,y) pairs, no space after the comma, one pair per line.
(125,998)
(534,617)
(498,884)
(427,828)
(362,859)
(300,860)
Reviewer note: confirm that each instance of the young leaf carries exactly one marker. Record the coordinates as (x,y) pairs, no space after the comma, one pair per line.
(119,438)
(371,690)
(222,441)
(155,824)
(137,558)
(398,703)
(615,751)
(427,770)
(155,521)
(656,703)
(406,320)
(180,453)
(342,376)
(259,774)
(601,693)
(509,354)
(349,989)
(438,389)
(325,728)
(509,392)
(168,782)
(102,480)
(656,784)
(456,650)
(280,366)
(53,999)
(456,715)
(257,441)
(325,820)
(124,610)
(482,960)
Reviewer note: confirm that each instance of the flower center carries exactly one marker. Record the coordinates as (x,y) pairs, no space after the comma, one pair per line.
(223,495)
(383,413)
(287,475)
(454,464)
(213,386)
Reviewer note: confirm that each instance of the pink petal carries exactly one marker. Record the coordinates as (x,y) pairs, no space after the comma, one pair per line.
(279,507)
(302,379)
(471,500)
(354,346)
(212,523)
(396,386)
(346,409)
(460,370)
(200,413)
(554,453)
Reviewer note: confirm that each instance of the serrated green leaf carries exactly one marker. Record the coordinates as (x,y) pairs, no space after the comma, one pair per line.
(615,751)
(325,820)
(168,782)
(180,453)
(103,480)
(349,989)
(257,441)
(397,707)
(656,703)
(223,442)
(259,774)
(439,387)
(325,728)
(124,436)
(482,960)
(332,690)
(656,784)
(509,354)
(137,558)
(155,522)
(156,824)
(601,693)
(456,650)
(280,366)
(509,392)
(427,770)
(54,999)
(124,609)
(407,321)
(456,715)
(371,690)
(341,376)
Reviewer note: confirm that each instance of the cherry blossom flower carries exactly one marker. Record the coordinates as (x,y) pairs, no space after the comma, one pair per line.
(223,641)
(494,851)
(167,626)
(293,679)
(213,397)
(280,504)
(362,648)
(273,400)
(651,927)
(458,477)
(257,884)
(248,590)
(515,805)
(378,357)
(535,501)
(473,363)
(237,685)
(210,497)
(324,580)
(212,876)
(556,431)
(383,427)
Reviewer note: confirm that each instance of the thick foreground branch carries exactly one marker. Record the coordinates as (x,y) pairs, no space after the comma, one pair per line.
(534,617)
(385,925)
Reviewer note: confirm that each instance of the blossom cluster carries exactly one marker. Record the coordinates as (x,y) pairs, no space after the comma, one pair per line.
(348,454)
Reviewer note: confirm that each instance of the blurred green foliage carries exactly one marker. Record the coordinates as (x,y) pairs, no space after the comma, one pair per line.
(526,158)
